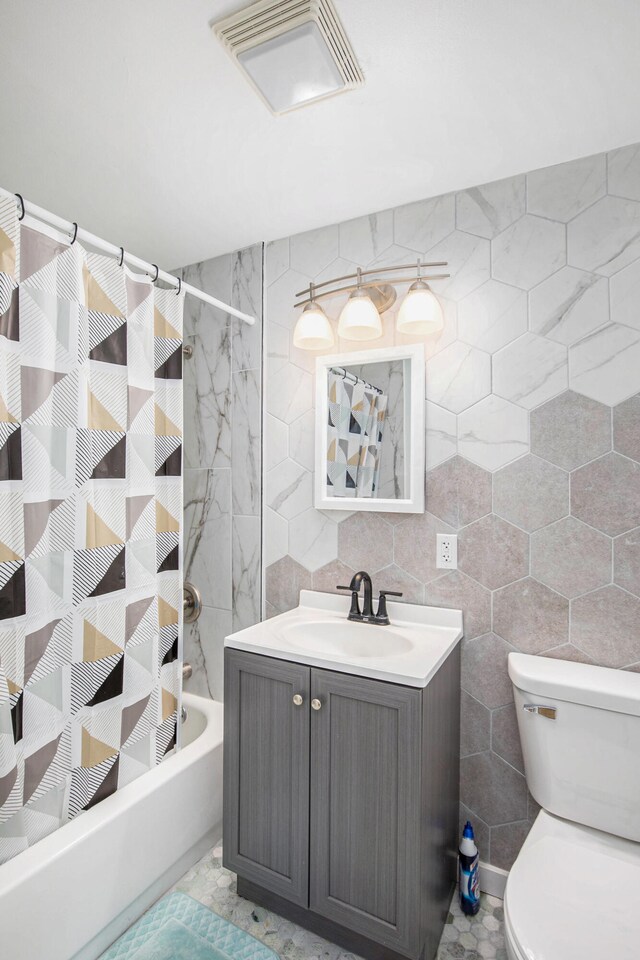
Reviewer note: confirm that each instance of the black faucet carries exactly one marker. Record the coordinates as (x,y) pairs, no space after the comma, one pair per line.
(367,615)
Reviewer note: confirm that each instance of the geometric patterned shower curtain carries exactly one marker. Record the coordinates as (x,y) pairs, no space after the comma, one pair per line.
(90,528)
(355,430)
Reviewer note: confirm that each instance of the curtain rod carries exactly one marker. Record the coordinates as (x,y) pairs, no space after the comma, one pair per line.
(79,233)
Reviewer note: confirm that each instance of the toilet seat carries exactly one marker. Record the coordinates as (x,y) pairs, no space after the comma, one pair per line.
(573,892)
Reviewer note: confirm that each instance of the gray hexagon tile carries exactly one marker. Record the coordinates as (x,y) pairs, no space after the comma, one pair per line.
(364,239)
(475,725)
(531,493)
(365,542)
(421,225)
(461,592)
(415,545)
(491,208)
(570,557)
(458,377)
(606,364)
(283,582)
(531,616)
(493,789)
(569,305)
(312,251)
(484,670)
(624,290)
(313,539)
(528,252)
(606,494)
(506,841)
(567,651)
(563,191)
(469,262)
(327,578)
(606,237)
(624,171)
(505,738)
(459,492)
(493,432)
(570,430)
(492,316)
(530,370)
(626,428)
(394,578)
(606,626)
(493,552)
(626,561)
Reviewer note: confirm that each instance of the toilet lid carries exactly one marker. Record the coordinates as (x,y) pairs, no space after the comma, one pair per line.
(575,892)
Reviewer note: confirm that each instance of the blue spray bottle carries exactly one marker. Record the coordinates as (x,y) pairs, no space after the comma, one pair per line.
(468,872)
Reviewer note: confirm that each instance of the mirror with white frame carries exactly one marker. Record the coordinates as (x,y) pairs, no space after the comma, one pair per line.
(370,437)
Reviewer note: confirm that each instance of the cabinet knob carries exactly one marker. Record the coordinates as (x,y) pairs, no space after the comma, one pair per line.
(297,699)
(316,704)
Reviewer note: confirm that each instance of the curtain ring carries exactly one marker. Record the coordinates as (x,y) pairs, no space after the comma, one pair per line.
(22,206)
(75,233)
(157,272)
(179,290)
(121,256)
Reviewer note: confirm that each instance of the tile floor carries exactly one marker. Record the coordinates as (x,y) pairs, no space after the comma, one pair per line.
(476,938)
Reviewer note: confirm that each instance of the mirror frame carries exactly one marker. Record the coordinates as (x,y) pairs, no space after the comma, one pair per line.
(414,400)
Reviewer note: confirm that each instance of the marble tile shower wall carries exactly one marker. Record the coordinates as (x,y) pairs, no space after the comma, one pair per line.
(222,475)
(533,442)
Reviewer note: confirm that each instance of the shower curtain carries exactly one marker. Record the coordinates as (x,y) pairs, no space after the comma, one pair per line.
(354,435)
(90,527)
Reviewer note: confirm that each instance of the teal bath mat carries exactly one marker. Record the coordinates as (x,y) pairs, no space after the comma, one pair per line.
(180,928)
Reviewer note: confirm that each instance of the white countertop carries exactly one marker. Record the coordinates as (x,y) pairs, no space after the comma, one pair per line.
(317,632)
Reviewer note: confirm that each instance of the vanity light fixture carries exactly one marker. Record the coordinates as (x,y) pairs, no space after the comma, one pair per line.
(420,313)
(292,51)
(313,330)
(372,293)
(359,318)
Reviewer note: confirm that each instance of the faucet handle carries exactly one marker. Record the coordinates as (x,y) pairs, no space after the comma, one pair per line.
(382,616)
(355,606)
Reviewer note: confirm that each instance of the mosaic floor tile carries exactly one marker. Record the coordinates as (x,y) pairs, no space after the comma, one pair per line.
(464,938)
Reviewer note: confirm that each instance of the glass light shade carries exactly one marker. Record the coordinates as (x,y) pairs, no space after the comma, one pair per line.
(313,330)
(420,312)
(359,319)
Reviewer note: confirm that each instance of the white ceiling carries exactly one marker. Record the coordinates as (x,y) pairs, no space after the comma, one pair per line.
(128,116)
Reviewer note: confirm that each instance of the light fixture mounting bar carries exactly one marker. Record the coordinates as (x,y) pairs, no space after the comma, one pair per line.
(378,270)
(375,279)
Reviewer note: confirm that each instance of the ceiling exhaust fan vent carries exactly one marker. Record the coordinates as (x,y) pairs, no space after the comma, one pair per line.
(292,51)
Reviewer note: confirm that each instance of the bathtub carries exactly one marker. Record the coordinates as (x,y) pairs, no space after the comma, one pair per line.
(73,893)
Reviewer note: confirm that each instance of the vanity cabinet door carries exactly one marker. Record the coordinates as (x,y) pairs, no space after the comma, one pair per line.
(365,807)
(266,773)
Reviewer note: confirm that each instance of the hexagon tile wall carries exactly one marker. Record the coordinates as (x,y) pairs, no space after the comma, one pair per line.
(533,441)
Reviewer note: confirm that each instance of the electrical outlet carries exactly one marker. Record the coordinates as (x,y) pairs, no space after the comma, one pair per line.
(447,551)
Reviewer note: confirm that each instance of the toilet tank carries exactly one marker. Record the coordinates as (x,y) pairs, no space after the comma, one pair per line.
(580,733)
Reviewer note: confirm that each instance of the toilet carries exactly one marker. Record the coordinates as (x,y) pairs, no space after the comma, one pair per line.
(574,889)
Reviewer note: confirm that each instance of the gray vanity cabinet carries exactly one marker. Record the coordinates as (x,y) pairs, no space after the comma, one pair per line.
(365,807)
(266,773)
(340,806)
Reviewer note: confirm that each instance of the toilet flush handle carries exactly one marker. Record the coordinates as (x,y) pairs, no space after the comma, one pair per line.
(548,712)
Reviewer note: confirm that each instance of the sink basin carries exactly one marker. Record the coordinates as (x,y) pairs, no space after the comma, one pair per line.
(317,633)
(346,639)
